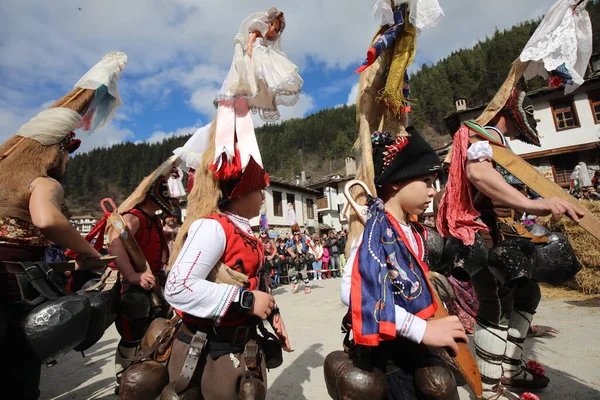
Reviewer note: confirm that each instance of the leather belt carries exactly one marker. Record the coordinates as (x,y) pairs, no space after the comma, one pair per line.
(197,343)
(42,278)
(236,335)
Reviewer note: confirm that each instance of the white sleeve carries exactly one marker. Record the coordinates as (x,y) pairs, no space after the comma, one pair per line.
(407,325)
(347,277)
(480,151)
(187,288)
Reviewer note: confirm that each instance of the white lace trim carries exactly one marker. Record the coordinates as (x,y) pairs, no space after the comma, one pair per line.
(283,88)
(241,222)
(279,97)
(423,14)
(480,151)
(192,151)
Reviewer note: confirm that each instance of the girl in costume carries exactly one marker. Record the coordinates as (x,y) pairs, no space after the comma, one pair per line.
(217,286)
(260,70)
(325,259)
(385,282)
(318,253)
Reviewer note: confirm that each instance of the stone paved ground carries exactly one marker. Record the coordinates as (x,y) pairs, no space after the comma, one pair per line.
(571,359)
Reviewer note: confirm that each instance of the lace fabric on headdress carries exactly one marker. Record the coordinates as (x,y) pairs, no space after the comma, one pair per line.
(191,152)
(563,37)
(424,14)
(382,12)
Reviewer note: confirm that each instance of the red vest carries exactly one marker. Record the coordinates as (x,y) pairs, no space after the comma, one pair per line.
(244,253)
(151,239)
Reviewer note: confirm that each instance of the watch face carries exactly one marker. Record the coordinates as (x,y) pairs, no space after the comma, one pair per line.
(247,300)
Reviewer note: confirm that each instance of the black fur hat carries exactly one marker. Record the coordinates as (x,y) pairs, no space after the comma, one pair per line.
(402,159)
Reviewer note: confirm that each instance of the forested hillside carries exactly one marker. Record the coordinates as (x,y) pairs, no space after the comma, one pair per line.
(318,143)
(476,73)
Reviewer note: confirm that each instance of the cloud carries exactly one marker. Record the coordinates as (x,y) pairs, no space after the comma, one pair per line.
(202,100)
(352,95)
(11,119)
(159,136)
(105,137)
(163,33)
(181,50)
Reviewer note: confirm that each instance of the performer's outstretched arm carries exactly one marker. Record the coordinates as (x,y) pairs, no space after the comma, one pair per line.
(44,207)
(488,181)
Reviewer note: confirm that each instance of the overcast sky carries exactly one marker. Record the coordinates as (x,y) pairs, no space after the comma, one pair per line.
(180,50)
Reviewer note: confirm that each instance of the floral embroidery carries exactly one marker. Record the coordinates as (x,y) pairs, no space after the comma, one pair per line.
(17,231)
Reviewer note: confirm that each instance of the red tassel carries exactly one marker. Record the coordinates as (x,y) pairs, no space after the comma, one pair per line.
(529,396)
(98,233)
(228,171)
(535,368)
(554,82)
(70,282)
(190,182)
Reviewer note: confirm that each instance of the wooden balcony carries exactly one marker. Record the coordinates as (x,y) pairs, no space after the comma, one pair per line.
(322,203)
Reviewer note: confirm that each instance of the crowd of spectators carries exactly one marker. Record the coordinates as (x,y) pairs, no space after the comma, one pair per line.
(304,256)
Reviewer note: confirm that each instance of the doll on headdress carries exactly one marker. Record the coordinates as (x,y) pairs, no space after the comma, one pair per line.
(260,70)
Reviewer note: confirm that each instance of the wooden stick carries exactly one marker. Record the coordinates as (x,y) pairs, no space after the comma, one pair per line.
(73,97)
(77,100)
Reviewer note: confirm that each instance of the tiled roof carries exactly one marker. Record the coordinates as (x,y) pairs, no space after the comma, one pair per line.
(324,180)
(283,183)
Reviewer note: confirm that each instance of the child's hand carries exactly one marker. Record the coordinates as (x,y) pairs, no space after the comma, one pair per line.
(445,332)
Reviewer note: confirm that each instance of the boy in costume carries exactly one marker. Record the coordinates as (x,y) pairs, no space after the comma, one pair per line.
(140,213)
(217,282)
(385,280)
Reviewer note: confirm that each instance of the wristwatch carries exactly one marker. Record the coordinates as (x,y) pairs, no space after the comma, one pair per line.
(246,300)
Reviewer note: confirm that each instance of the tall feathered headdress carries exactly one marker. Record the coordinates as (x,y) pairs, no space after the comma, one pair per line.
(382,103)
(90,105)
